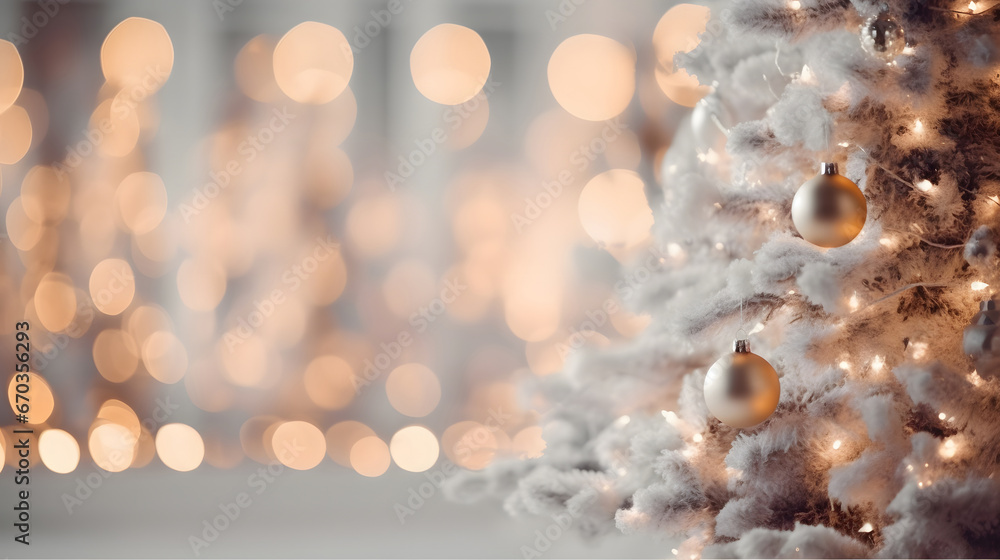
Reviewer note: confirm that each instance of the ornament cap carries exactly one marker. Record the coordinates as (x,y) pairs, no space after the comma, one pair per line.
(827,168)
(741,346)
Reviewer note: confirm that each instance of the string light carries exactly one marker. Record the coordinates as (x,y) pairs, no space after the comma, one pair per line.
(918,126)
(925,185)
(877,363)
(836,444)
(795,4)
(866,528)
(979,286)
(853,302)
(697,438)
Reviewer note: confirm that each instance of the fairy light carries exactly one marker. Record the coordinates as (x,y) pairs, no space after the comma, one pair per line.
(918,126)
(972,7)
(675,251)
(887,242)
(843,144)
(924,185)
(909,468)
(919,350)
(719,246)
(791,292)
(622,421)
(909,51)
(853,302)
(878,362)
(807,74)
(948,450)
(866,528)
(757,328)
(670,416)
(795,5)
(697,438)
(942,416)
(979,286)
(673,551)
(975,379)
(845,365)
(836,444)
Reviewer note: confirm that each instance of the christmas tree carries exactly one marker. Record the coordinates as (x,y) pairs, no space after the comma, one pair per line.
(886,437)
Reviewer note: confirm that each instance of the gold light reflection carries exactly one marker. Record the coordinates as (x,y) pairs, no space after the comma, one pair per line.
(255,71)
(613,209)
(11,74)
(370,456)
(413,390)
(112,446)
(112,286)
(16,137)
(59,451)
(341,437)
(165,357)
(141,199)
(55,301)
(677,32)
(119,127)
(180,447)
(137,53)
(40,399)
(469,444)
(299,445)
(373,225)
(408,285)
(201,284)
(245,364)
(45,195)
(414,449)
(592,76)
(329,175)
(22,231)
(313,63)
(528,443)
(450,64)
(329,382)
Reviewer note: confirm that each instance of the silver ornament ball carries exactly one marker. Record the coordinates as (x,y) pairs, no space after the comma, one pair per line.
(883,36)
(742,389)
(829,210)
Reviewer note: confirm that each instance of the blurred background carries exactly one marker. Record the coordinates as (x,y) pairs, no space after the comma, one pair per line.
(314,254)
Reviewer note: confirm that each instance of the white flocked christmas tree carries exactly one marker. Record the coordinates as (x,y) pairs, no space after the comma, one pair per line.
(886,439)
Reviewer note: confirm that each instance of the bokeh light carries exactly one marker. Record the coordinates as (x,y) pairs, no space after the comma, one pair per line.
(592,76)
(40,398)
(142,201)
(341,437)
(180,447)
(201,284)
(450,64)
(313,63)
(469,444)
(16,137)
(59,451)
(370,456)
(528,443)
(112,286)
(254,69)
(678,32)
(413,390)
(299,445)
(137,54)
(45,195)
(614,210)
(119,129)
(165,357)
(116,355)
(112,446)
(55,301)
(11,74)
(329,382)
(414,449)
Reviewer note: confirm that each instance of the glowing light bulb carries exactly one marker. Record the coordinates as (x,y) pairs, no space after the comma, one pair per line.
(942,416)
(698,438)
(924,185)
(972,6)
(836,444)
(622,421)
(918,126)
(977,286)
(853,302)
(795,4)
(866,528)
(844,366)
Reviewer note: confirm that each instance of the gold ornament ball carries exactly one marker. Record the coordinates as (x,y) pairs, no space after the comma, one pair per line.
(742,389)
(829,210)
